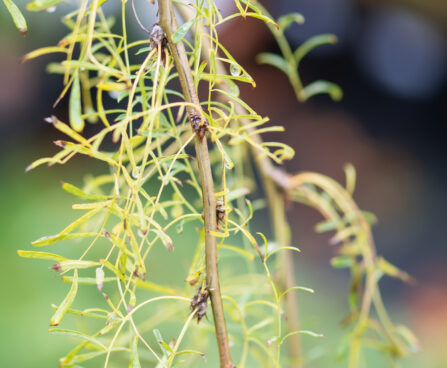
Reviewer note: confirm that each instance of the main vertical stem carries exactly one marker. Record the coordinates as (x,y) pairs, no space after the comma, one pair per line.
(169,25)
(276,203)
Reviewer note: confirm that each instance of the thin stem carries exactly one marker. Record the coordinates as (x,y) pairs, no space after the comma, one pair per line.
(276,204)
(169,25)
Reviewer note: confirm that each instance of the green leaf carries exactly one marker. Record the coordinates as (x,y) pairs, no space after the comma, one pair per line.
(76,121)
(43,51)
(17,16)
(166,349)
(69,188)
(143,49)
(341,262)
(234,89)
(320,87)
(237,193)
(51,239)
(309,290)
(41,255)
(39,5)
(286,21)
(135,359)
(391,270)
(329,225)
(276,250)
(274,60)
(66,303)
(301,332)
(350,178)
(86,280)
(78,334)
(76,264)
(182,31)
(313,42)
(370,217)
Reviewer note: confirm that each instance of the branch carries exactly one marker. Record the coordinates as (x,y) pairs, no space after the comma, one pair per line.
(275,184)
(169,25)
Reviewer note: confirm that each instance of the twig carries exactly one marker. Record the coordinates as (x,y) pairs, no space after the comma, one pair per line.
(169,25)
(275,188)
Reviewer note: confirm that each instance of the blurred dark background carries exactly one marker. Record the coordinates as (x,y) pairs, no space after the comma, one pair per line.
(391,64)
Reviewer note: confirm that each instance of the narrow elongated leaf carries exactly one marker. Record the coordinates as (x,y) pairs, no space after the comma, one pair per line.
(64,128)
(182,31)
(17,16)
(86,280)
(135,359)
(391,270)
(350,178)
(66,303)
(165,348)
(311,43)
(69,188)
(309,290)
(274,60)
(76,120)
(75,264)
(341,262)
(43,51)
(39,5)
(142,284)
(51,239)
(59,331)
(301,332)
(320,86)
(41,255)
(330,225)
(276,250)
(287,20)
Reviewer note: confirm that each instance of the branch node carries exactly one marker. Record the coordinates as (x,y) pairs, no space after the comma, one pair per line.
(199,123)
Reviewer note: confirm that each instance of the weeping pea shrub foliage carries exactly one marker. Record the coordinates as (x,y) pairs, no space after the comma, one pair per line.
(151,230)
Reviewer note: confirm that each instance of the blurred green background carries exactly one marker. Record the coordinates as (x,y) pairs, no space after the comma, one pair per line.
(391,64)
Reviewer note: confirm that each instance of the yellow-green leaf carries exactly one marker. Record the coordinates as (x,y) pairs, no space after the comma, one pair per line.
(286,21)
(43,51)
(391,270)
(313,42)
(76,121)
(66,303)
(69,188)
(78,335)
(51,239)
(41,255)
(319,87)
(39,5)
(75,264)
(17,16)
(182,31)
(274,60)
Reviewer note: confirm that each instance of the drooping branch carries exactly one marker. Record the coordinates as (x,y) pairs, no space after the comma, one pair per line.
(177,50)
(275,184)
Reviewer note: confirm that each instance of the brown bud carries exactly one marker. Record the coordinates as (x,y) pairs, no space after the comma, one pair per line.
(199,123)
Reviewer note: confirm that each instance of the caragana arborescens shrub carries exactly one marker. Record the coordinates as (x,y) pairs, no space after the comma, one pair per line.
(178,199)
